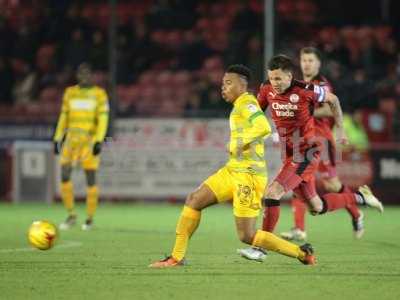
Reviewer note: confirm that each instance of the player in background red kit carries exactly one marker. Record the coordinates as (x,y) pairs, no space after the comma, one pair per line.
(292,104)
(310,62)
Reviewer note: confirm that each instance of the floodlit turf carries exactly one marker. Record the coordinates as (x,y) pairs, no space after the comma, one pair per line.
(111,261)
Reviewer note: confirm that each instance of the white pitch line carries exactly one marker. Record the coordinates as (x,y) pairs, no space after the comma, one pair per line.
(66,244)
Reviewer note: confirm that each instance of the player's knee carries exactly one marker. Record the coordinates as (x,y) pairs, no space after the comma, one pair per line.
(90,177)
(274,191)
(193,200)
(246,236)
(272,194)
(332,186)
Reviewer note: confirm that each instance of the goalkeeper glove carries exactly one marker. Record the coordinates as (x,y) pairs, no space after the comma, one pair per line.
(96,148)
(57,146)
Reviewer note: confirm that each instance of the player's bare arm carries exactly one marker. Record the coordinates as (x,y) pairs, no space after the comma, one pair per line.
(324,111)
(334,104)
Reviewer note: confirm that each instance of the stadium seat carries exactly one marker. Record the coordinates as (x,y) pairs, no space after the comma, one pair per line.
(377,125)
(50,95)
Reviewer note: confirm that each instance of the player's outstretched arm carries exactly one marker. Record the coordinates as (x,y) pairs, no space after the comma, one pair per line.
(337,112)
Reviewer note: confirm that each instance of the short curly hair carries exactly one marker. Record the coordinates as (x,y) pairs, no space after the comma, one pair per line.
(241,70)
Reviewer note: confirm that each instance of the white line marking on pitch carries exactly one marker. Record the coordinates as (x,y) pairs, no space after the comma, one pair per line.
(66,244)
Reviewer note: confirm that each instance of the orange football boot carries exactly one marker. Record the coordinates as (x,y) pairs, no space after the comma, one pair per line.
(310,258)
(167,262)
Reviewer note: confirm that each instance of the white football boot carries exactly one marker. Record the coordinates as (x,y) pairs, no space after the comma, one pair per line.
(88,225)
(294,234)
(370,199)
(253,253)
(68,223)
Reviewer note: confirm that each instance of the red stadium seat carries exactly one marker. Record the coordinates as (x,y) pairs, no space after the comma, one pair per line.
(169,108)
(213,63)
(182,78)
(231,8)
(164,78)
(147,77)
(222,24)
(203,24)
(173,39)
(158,36)
(127,96)
(377,125)
(50,95)
(89,12)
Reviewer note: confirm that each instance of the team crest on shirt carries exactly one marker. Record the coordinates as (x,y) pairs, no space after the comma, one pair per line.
(294,98)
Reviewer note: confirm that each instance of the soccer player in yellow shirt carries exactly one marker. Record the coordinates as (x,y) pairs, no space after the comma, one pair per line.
(81,129)
(243,179)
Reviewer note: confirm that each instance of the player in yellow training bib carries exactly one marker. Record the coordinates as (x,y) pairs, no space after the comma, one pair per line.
(81,129)
(242,180)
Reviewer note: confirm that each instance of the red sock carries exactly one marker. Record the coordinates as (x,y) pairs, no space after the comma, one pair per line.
(299,211)
(271,214)
(335,201)
(352,209)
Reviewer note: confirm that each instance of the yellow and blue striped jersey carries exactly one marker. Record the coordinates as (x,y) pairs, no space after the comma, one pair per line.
(84,110)
(249,127)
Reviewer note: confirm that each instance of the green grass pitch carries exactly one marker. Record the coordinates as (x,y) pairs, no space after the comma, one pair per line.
(111,261)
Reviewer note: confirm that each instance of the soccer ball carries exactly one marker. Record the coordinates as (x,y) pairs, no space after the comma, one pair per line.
(42,235)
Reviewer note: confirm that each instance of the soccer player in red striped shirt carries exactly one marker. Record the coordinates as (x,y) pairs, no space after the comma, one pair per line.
(310,62)
(292,104)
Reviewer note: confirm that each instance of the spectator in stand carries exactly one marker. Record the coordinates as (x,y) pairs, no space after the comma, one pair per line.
(6,82)
(193,52)
(246,20)
(396,122)
(76,50)
(362,90)
(25,82)
(6,35)
(124,71)
(245,23)
(73,21)
(26,43)
(254,52)
(144,51)
(98,51)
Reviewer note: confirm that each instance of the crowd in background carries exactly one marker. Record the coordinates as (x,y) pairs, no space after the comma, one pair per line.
(171,54)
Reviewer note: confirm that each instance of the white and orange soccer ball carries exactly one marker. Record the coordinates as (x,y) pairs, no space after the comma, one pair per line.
(42,235)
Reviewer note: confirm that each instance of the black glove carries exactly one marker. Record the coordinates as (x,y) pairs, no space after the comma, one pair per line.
(57,147)
(96,148)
